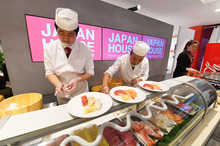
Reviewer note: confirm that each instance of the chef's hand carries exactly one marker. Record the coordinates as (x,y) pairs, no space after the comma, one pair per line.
(105,90)
(72,85)
(192,70)
(135,81)
(59,88)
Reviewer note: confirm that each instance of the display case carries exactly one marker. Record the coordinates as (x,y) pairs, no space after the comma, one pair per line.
(213,78)
(163,118)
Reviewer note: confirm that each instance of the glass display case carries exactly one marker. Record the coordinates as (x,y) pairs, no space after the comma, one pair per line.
(164,118)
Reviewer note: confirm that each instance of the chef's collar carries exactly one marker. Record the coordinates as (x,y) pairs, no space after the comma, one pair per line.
(71,47)
(135,65)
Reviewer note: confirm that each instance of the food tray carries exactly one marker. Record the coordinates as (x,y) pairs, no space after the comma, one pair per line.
(142,132)
(115,137)
(173,112)
(184,105)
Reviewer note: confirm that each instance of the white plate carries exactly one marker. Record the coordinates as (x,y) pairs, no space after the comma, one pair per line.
(161,85)
(75,107)
(140,94)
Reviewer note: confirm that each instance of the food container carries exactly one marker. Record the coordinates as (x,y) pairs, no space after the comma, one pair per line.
(21,103)
(113,82)
(1,97)
(97,88)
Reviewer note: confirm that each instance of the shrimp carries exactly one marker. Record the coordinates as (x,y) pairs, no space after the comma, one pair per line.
(150,142)
(151,126)
(149,86)
(136,126)
(151,132)
(119,92)
(140,129)
(131,93)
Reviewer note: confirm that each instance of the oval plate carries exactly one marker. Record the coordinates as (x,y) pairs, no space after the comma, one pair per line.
(162,86)
(75,107)
(141,96)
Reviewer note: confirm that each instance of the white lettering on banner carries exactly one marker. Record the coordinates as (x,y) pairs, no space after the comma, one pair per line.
(155,50)
(90,34)
(89,44)
(44,42)
(111,48)
(155,42)
(48,34)
(49,31)
(81,34)
(117,38)
(54,32)
(123,39)
(129,39)
(114,55)
(119,48)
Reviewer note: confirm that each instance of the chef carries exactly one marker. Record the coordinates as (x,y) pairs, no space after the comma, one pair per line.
(133,67)
(68,62)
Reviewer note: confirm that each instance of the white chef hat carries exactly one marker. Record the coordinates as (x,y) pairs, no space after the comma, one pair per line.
(66,19)
(140,48)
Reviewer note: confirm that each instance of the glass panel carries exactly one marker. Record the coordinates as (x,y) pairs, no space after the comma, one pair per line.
(207,89)
(178,120)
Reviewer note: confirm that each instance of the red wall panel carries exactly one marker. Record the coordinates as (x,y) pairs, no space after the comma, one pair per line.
(211,61)
(198,37)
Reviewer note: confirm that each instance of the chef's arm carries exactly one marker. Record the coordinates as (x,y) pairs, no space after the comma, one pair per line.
(54,79)
(105,80)
(56,82)
(85,76)
(192,70)
(105,88)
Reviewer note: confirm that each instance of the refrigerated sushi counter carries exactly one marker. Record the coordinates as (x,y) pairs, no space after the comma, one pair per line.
(172,116)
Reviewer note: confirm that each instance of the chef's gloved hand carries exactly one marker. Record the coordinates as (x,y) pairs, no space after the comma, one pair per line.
(72,85)
(59,88)
(134,82)
(192,70)
(105,90)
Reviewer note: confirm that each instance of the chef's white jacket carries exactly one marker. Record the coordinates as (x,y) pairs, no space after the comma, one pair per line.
(126,72)
(78,63)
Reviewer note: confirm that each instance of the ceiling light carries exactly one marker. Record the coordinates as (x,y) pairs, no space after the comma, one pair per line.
(217,10)
(207,1)
(135,8)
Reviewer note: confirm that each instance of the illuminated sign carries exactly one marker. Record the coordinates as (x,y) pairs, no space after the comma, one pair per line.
(157,47)
(117,43)
(42,31)
(105,43)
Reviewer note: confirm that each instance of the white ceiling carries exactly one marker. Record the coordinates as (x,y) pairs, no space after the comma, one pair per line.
(184,13)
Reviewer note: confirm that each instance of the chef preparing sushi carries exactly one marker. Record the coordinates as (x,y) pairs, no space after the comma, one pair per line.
(133,67)
(68,62)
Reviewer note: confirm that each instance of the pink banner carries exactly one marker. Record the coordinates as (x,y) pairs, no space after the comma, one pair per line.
(42,31)
(105,44)
(157,47)
(117,43)
(91,36)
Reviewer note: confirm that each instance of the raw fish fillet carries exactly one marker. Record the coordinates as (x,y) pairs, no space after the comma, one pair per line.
(160,120)
(138,128)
